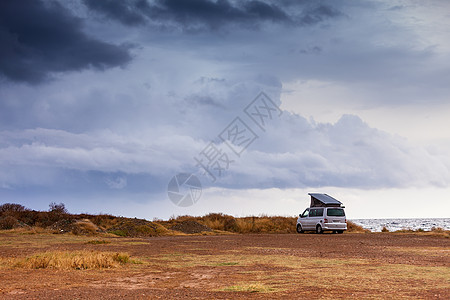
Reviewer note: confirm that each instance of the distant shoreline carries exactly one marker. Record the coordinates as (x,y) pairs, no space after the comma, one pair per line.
(392,224)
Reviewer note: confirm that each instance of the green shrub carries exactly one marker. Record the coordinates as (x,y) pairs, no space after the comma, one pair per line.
(119,232)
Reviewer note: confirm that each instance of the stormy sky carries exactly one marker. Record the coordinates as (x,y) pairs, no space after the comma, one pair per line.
(103,102)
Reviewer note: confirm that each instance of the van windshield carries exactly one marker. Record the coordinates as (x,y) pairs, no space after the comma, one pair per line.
(335,212)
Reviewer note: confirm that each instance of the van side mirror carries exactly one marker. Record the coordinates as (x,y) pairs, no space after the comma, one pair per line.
(300,215)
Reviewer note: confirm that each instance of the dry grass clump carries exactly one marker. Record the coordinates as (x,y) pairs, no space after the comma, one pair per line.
(255,287)
(265,224)
(435,231)
(219,221)
(352,227)
(66,260)
(440,232)
(31,230)
(98,242)
(85,227)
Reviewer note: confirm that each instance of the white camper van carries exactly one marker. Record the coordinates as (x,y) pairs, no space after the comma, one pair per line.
(324,214)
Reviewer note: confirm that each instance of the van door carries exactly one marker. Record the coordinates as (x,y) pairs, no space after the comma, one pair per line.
(304,219)
(311,219)
(318,218)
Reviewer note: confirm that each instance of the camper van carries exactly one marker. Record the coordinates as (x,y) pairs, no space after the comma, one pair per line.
(324,214)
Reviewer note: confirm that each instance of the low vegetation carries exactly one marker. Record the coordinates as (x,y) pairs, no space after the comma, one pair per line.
(98,242)
(366,266)
(352,227)
(435,231)
(58,220)
(255,287)
(66,260)
(222,222)
(365,277)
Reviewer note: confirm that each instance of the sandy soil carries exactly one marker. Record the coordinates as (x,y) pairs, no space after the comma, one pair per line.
(377,265)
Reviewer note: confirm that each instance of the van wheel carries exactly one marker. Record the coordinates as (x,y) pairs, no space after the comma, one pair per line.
(299,228)
(340,231)
(319,229)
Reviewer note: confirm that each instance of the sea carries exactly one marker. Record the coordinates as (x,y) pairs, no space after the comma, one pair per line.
(375,225)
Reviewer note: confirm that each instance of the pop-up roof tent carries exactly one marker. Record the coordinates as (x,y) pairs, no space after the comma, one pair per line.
(322,200)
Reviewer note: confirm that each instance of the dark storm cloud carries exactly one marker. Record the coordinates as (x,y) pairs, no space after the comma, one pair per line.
(319,14)
(38,39)
(127,12)
(207,14)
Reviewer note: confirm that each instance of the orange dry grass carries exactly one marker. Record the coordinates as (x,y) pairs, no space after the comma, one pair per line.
(266,224)
(72,260)
(261,224)
(352,227)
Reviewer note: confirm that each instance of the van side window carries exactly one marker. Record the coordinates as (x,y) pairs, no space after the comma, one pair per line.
(319,212)
(305,213)
(335,212)
(312,213)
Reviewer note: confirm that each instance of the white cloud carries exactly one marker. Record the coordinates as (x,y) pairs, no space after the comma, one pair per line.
(292,153)
(347,153)
(101,151)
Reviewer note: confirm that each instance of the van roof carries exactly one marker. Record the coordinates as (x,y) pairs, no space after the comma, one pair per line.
(323,200)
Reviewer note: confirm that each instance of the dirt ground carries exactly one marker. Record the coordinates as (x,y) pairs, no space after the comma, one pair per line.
(260,266)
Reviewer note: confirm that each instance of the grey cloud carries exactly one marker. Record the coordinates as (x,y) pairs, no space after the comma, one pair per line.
(264,11)
(38,39)
(319,14)
(397,7)
(206,14)
(126,12)
(203,100)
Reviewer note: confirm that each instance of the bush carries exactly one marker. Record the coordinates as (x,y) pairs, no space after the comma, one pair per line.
(11,207)
(13,211)
(384,229)
(8,222)
(30,217)
(57,208)
(137,227)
